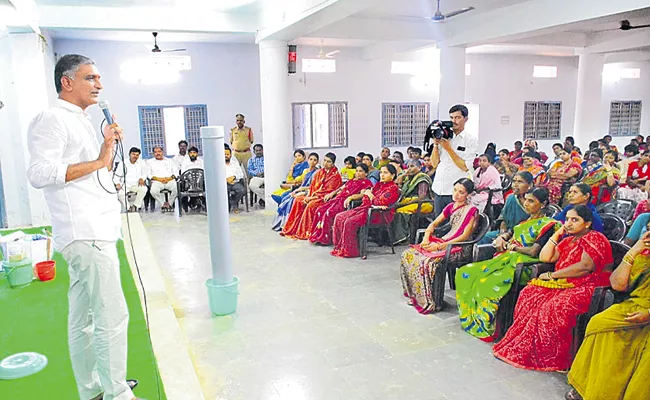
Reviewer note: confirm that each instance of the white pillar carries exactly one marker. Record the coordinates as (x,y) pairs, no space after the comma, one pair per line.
(276,115)
(587,124)
(452,79)
(24,67)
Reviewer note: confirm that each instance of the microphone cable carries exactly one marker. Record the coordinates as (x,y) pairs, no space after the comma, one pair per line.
(120,150)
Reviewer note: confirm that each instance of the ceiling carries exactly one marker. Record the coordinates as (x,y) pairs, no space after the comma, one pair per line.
(243,6)
(146,37)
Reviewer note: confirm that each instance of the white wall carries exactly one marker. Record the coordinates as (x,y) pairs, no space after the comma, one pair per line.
(628,89)
(500,84)
(223,76)
(365,85)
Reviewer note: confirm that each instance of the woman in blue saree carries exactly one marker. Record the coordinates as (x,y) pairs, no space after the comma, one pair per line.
(294,176)
(286,200)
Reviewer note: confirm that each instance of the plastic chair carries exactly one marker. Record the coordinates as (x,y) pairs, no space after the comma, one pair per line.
(383,226)
(552,210)
(622,208)
(615,228)
(191,185)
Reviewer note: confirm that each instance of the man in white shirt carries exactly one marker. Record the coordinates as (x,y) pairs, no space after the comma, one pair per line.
(162,172)
(73,170)
(192,161)
(134,182)
(557,147)
(453,161)
(234,177)
(182,154)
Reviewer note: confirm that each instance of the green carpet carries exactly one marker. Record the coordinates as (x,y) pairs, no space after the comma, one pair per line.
(34,318)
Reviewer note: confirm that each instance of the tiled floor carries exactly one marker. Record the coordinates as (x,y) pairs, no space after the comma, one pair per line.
(312,326)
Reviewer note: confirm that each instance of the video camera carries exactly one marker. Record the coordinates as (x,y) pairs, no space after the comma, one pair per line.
(437,130)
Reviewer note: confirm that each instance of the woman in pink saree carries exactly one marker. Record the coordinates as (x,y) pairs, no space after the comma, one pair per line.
(420,262)
(486,178)
(336,202)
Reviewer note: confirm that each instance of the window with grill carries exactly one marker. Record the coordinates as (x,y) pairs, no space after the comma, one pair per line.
(167,125)
(625,118)
(542,120)
(404,124)
(320,125)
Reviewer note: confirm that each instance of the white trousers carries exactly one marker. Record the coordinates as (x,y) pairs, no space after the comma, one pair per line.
(156,187)
(140,193)
(255,185)
(97,320)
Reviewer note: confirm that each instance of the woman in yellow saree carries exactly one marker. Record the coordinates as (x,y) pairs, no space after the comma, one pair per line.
(613,362)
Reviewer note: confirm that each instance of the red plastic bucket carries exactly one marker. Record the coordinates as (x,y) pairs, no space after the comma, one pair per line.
(46,270)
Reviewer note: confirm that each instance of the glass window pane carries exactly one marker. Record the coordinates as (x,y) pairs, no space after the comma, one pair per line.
(321,125)
(174,120)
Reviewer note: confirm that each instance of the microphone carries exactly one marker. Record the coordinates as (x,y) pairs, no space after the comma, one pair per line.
(107,113)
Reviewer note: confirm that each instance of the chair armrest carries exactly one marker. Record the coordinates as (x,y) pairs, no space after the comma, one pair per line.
(419,235)
(483,252)
(540,268)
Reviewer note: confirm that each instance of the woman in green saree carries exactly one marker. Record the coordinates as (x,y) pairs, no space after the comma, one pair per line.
(480,286)
(613,362)
(416,186)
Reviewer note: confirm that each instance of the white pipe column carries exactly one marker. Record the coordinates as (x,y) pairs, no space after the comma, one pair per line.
(276,115)
(452,79)
(588,99)
(216,196)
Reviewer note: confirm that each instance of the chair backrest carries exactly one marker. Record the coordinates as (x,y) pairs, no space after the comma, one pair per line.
(619,250)
(552,210)
(622,208)
(481,228)
(506,182)
(192,180)
(615,227)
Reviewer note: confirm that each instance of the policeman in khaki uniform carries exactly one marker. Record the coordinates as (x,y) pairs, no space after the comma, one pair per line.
(241,139)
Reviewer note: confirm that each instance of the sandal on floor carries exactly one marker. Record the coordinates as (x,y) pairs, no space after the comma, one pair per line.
(572,395)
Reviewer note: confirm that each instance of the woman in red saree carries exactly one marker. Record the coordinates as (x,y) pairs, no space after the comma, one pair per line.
(547,309)
(336,202)
(301,217)
(346,225)
(566,171)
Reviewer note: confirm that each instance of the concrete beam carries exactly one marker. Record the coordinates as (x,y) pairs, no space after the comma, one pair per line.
(388,49)
(627,56)
(531,18)
(24,16)
(145,19)
(311,19)
(384,30)
(620,41)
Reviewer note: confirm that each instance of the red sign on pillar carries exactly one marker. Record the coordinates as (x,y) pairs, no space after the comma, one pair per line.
(293,57)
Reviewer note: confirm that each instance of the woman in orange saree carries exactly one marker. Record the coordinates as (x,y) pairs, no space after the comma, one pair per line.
(546,312)
(303,211)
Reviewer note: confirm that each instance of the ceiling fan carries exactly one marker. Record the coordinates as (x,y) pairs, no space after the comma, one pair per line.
(626,26)
(323,55)
(440,17)
(156,49)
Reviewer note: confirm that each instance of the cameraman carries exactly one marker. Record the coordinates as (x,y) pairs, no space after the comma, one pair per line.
(452,158)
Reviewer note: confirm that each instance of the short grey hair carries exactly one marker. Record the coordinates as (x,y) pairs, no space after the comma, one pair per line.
(414,162)
(68,65)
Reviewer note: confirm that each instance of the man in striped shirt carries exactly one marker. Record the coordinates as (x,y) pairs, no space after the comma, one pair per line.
(256,173)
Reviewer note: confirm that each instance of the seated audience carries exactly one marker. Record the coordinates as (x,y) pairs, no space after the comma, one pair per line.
(638,173)
(608,141)
(570,147)
(579,194)
(301,218)
(631,154)
(639,225)
(416,154)
(533,144)
(416,186)
(556,151)
(513,211)
(234,181)
(480,286)
(383,159)
(373,173)
(398,160)
(359,157)
(567,171)
(136,174)
(350,168)
(546,312)
(427,166)
(337,202)
(182,154)
(601,174)
(162,172)
(284,208)
(504,166)
(516,153)
(614,360)
(256,173)
(293,179)
(420,262)
(346,224)
(192,161)
(529,165)
(486,178)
